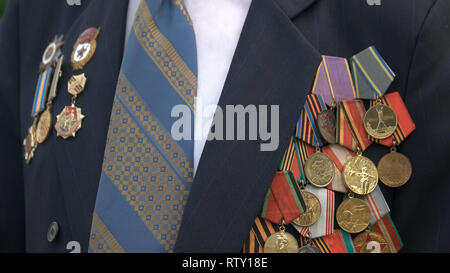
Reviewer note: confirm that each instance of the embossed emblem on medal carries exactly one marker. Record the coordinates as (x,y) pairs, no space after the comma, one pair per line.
(281,242)
(326,121)
(312,213)
(394,169)
(353,215)
(319,170)
(360,175)
(380,121)
(69,122)
(84,49)
(371,242)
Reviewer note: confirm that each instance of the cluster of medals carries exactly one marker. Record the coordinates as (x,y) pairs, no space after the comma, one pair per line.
(69,121)
(326,156)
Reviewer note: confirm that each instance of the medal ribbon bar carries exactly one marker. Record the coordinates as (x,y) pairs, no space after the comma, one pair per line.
(333,80)
(40,97)
(350,126)
(371,74)
(307,129)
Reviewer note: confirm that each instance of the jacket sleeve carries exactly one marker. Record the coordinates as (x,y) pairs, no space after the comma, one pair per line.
(423,206)
(12,212)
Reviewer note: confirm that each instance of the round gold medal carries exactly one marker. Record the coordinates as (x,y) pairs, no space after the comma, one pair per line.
(371,242)
(394,170)
(312,213)
(360,175)
(380,121)
(353,215)
(281,242)
(319,170)
(44,126)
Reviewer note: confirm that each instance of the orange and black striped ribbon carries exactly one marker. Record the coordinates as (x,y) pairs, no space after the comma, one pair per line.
(294,158)
(289,156)
(260,231)
(252,244)
(350,125)
(405,122)
(296,154)
(307,129)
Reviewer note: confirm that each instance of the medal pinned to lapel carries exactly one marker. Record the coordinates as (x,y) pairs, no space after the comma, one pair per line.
(45,121)
(395,169)
(372,77)
(84,49)
(334,83)
(52,53)
(69,120)
(319,168)
(49,59)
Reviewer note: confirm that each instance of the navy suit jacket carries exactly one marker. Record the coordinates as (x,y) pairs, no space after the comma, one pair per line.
(274,64)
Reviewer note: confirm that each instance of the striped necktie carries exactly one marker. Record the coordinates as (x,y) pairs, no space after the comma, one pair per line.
(146,174)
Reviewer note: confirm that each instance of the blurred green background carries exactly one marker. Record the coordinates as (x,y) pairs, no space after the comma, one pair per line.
(2,6)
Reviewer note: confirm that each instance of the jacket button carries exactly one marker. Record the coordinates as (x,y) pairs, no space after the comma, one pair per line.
(52,232)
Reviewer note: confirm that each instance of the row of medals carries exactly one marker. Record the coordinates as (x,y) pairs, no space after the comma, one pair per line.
(360,175)
(69,120)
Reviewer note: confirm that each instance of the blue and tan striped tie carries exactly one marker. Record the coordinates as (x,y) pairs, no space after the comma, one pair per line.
(146,174)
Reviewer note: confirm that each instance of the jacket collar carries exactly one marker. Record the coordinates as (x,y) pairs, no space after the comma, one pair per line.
(294,7)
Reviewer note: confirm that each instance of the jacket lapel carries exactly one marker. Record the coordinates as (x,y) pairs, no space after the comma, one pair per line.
(294,7)
(273,65)
(79,160)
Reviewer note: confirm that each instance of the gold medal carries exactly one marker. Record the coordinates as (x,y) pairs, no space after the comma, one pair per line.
(394,169)
(360,175)
(46,119)
(51,56)
(84,49)
(371,242)
(319,169)
(312,213)
(353,215)
(281,242)
(69,122)
(76,84)
(44,126)
(380,121)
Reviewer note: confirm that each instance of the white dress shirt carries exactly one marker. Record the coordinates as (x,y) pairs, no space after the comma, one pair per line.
(217,25)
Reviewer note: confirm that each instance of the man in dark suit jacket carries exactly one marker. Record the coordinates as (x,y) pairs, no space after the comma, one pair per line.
(275,62)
